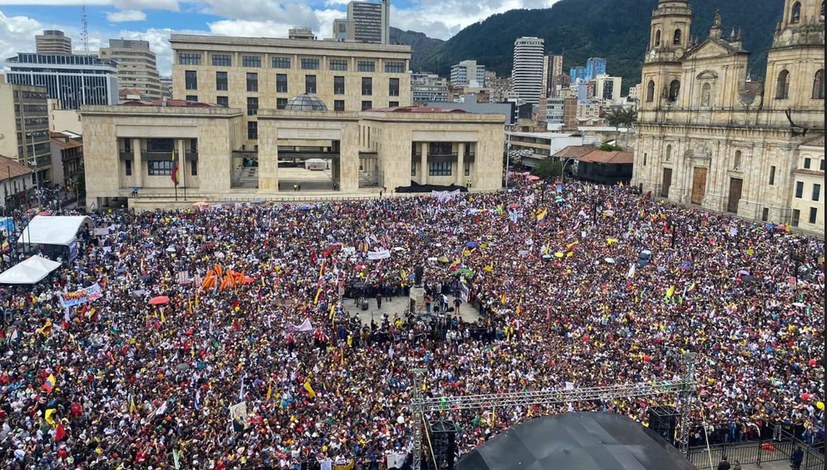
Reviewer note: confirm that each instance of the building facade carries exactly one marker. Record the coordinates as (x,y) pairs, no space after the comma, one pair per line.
(128,151)
(67,159)
(264,73)
(53,41)
(429,88)
(595,66)
(468,74)
(24,136)
(808,192)
(18,184)
(136,67)
(75,80)
(527,72)
(607,89)
(367,22)
(708,136)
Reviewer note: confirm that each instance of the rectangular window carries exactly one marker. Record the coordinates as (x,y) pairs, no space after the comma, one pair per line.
(816,192)
(765,214)
(252,106)
(393,104)
(193,98)
(251,61)
(221,81)
(310,84)
(188,58)
(127,166)
(413,169)
(367,105)
(772,175)
(393,87)
(394,67)
(821,165)
(796,218)
(338,64)
(194,168)
(222,101)
(222,60)
(310,64)
(281,62)
(799,189)
(807,163)
(191,80)
(439,168)
(338,105)
(467,168)
(338,85)
(159,167)
(252,130)
(366,66)
(281,103)
(367,86)
(281,83)
(252,82)
(813,215)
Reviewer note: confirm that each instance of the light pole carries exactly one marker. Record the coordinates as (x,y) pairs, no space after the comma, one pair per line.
(34,159)
(507,156)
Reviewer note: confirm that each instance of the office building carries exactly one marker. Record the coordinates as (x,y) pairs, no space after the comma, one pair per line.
(366,22)
(428,88)
(527,72)
(468,74)
(66,159)
(137,71)
(264,73)
(607,89)
(340,28)
(595,66)
(552,71)
(709,137)
(17,182)
(577,74)
(300,33)
(74,80)
(24,134)
(166,87)
(53,41)
(555,113)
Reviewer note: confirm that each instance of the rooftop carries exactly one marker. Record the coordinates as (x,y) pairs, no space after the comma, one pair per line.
(170,103)
(10,169)
(610,158)
(814,142)
(178,40)
(416,109)
(574,151)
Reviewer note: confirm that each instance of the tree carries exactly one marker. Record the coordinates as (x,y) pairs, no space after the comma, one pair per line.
(548,168)
(621,117)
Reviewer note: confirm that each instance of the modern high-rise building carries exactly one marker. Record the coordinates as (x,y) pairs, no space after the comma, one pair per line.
(577,73)
(552,70)
(53,41)
(595,66)
(607,88)
(264,73)
(137,72)
(367,22)
(340,28)
(25,134)
(75,80)
(468,74)
(527,72)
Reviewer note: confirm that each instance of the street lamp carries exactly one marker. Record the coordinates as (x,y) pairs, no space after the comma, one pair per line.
(34,159)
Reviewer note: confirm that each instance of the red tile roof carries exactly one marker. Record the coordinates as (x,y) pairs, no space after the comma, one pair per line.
(10,169)
(170,104)
(574,151)
(416,109)
(611,158)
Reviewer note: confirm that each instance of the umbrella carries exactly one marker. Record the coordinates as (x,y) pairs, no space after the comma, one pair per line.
(45,213)
(610,260)
(182,366)
(171,249)
(472,244)
(798,304)
(248,280)
(218,254)
(160,300)
(464,272)
(558,254)
(304,207)
(442,259)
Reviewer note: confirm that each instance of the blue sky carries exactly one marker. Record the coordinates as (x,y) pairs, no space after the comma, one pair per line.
(154,20)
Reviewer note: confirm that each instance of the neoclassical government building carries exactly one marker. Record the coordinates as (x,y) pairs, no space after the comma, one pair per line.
(711,137)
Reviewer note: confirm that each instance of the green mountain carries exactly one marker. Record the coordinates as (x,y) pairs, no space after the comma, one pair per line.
(422,45)
(615,29)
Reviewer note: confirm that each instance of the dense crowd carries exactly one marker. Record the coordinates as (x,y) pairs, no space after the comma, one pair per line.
(576,286)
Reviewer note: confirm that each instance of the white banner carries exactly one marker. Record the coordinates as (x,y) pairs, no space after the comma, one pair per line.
(379,254)
(304,327)
(464,292)
(238,415)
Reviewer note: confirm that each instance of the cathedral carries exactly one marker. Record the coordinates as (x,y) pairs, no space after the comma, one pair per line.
(709,136)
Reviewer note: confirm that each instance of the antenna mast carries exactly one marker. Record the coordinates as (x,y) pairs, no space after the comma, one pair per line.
(84,33)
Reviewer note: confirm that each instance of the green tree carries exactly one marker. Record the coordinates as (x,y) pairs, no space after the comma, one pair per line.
(548,168)
(621,117)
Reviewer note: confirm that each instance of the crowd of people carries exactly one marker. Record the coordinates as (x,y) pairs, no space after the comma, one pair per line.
(577,285)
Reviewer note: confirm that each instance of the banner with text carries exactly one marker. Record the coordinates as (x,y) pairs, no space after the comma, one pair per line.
(78,297)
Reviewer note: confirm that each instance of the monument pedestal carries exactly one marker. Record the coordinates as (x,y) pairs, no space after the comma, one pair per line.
(417,297)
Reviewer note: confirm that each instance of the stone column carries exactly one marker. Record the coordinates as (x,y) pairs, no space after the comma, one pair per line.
(137,163)
(268,156)
(182,162)
(460,163)
(423,164)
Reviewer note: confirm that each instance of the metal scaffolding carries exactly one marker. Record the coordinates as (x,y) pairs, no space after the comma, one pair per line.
(683,388)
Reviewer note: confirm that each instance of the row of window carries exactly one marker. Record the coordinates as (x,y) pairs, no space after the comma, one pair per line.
(222,83)
(160,168)
(797,216)
(281,103)
(799,191)
(280,62)
(442,169)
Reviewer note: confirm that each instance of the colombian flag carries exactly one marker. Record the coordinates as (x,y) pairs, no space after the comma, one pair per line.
(310,392)
(541,217)
(49,385)
(173,174)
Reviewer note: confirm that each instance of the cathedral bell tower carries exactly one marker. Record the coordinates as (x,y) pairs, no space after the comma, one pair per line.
(668,42)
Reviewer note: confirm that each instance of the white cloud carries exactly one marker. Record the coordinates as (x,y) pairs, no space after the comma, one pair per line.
(170,5)
(124,16)
(17,34)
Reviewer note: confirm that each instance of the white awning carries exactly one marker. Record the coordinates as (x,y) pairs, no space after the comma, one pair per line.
(30,271)
(53,230)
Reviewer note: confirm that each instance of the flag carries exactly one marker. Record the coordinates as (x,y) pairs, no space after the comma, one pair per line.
(310,392)
(49,418)
(132,407)
(541,217)
(5,248)
(631,273)
(46,327)
(502,298)
(163,318)
(176,458)
(670,292)
(269,391)
(49,385)
(60,432)
(173,173)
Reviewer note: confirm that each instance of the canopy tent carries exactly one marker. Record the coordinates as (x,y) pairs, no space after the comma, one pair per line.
(30,271)
(576,441)
(53,230)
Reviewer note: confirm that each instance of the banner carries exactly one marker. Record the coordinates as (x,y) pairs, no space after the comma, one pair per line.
(464,292)
(445,196)
(73,250)
(380,254)
(304,327)
(87,294)
(238,415)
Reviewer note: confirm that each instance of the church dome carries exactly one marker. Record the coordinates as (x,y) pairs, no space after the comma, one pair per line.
(305,102)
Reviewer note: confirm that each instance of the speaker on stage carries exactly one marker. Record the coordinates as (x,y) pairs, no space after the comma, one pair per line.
(443,439)
(663,420)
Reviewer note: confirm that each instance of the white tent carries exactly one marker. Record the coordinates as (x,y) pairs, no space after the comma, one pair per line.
(53,230)
(30,271)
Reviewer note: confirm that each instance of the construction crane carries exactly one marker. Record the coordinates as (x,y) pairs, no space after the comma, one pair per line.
(684,388)
(84,32)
